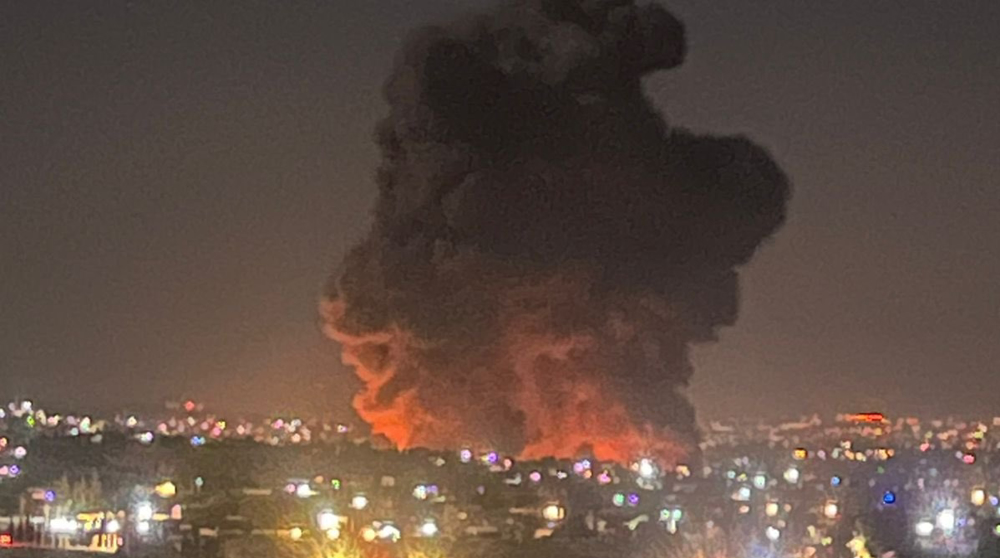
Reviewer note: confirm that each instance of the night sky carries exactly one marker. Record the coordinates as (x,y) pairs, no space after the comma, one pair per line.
(177,181)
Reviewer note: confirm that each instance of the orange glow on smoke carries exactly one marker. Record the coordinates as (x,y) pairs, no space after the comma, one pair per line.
(553,380)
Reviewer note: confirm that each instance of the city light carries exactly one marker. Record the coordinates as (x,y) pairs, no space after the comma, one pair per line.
(946,520)
(647,469)
(144,511)
(978,497)
(924,528)
(420,492)
(359,502)
(429,529)
(327,520)
(553,512)
(166,489)
(63,525)
(792,475)
(765,487)
(388,532)
(742,494)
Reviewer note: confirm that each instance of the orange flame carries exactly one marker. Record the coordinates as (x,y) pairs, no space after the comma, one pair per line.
(552,379)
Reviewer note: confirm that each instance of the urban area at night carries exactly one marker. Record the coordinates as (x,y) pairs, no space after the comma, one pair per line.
(186,482)
(499,279)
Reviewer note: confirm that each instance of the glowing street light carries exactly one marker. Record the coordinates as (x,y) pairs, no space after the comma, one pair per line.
(144,511)
(946,520)
(303,490)
(554,512)
(792,475)
(647,469)
(760,481)
(429,529)
(978,497)
(831,510)
(327,520)
(166,490)
(359,502)
(389,532)
(924,529)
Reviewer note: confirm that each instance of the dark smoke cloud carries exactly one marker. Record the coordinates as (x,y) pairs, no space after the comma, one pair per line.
(546,247)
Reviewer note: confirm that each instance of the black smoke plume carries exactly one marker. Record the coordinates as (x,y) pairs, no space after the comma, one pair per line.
(545,247)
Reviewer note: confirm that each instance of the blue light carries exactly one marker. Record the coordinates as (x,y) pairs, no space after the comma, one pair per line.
(835,481)
(50,496)
(889,498)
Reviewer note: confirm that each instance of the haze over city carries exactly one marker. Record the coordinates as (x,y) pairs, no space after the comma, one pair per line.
(178,183)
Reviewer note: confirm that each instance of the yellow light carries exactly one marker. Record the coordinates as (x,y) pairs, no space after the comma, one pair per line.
(800,453)
(771,509)
(166,490)
(553,512)
(295,533)
(978,497)
(368,534)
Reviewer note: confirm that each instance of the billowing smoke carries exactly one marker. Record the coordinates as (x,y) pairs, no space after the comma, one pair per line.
(546,248)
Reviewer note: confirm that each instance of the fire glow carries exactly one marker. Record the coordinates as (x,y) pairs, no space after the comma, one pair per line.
(546,249)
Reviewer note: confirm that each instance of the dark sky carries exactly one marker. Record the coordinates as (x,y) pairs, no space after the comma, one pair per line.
(177,180)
